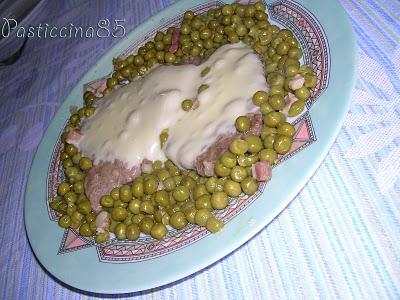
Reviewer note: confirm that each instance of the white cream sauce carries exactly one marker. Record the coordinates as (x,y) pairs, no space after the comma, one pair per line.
(127,123)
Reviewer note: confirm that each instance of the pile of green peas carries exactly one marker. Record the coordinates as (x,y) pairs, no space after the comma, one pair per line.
(184,196)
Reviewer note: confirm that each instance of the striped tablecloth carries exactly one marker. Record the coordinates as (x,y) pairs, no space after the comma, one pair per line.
(338,239)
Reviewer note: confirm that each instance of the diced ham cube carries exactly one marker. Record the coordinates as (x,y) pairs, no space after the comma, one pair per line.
(296,82)
(174,41)
(262,171)
(73,137)
(102,221)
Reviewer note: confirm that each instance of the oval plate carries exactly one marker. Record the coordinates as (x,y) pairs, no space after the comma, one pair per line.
(328,43)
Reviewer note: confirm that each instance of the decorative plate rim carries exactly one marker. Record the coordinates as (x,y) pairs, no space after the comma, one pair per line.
(31,213)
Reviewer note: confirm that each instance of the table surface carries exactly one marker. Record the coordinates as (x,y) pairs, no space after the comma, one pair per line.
(339,238)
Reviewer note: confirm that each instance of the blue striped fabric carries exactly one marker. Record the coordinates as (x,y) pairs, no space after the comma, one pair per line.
(339,239)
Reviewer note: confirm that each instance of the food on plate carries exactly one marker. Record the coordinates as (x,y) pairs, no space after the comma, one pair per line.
(198,116)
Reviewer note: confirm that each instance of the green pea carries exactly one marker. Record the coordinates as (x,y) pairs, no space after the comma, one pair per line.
(232,188)
(267,131)
(277,102)
(266,108)
(214,225)
(92,226)
(138,60)
(150,185)
(55,204)
(67,163)
(178,220)
(190,214)
(228,159)
(238,173)
(84,207)
(85,230)
(249,186)
(169,184)
(260,97)
(254,143)
(181,193)
(286,129)
(268,155)
(227,9)
(291,70)
(63,188)
(70,197)
(203,202)
(146,224)
(272,119)
(76,158)
(185,29)
(64,221)
(102,237)
(310,81)
(205,71)
(120,231)
(163,174)
(296,108)
(107,201)
(128,220)
(276,89)
(74,223)
(115,193)
(147,207)
(134,206)
(162,198)
(74,119)
(282,48)
(132,232)
(302,93)
(202,88)
(295,53)
(90,217)
(159,231)
(137,189)
(63,154)
(282,144)
(137,218)
(119,213)
(187,104)
(269,141)
(241,30)
(167,39)
(169,57)
(195,51)
(242,123)
(238,146)
(125,193)
(119,203)
(211,183)
(199,190)
(276,79)
(71,150)
(202,215)
(221,170)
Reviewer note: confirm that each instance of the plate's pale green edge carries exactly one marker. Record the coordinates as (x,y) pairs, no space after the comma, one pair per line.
(82,269)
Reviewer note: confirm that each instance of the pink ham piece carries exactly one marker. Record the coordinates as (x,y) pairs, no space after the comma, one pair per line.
(296,82)
(289,100)
(73,137)
(174,41)
(261,171)
(102,221)
(147,166)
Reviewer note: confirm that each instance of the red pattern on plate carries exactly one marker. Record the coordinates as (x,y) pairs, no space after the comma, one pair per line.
(311,37)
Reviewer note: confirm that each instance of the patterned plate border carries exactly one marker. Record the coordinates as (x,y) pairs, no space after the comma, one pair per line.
(315,48)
